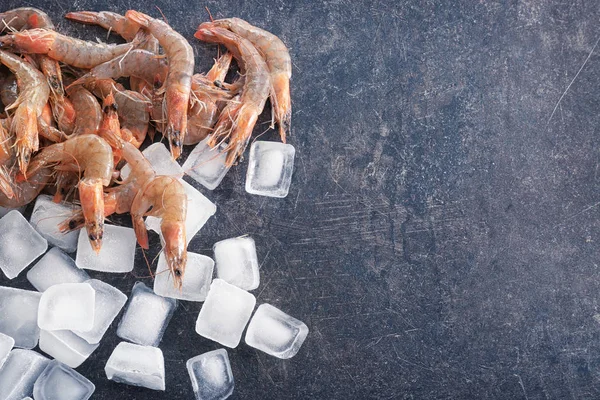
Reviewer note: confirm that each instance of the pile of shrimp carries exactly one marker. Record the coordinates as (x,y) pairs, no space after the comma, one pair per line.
(69,123)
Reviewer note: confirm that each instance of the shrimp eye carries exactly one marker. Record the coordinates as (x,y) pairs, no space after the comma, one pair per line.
(72,224)
(218,84)
(110,107)
(177,272)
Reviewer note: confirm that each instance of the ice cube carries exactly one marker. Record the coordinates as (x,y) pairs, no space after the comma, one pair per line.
(55,267)
(137,365)
(20,244)
(58,381)
(6,345)
(211,375)
(116,255)
(206,165)
(19,313)
(225,313)
(146,317)
(270,169)
(109,301)
(160,159)
(66,347)
(4,210)
(196,280)
(46,217)
(19,373)
(67,306)
(199,210)
(276,333)
(237,262)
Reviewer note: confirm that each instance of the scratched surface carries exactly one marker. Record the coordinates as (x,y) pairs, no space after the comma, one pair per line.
(440,238)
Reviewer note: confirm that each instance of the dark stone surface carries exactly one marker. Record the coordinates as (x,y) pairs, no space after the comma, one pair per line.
(440,236)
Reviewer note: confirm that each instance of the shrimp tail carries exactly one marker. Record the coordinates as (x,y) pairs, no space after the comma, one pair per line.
(138,17)
(5,186)
(92,206)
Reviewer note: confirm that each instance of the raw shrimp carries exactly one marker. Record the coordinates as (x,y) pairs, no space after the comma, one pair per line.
(122,26)
(88,113)
(236,125)
(179,79)
(206,101)
(24,18)
(33,96)
(139,63)
(45,127)
(5,156)
(25,191)
(278,61)
(92,155)
(164,197)
(75,52)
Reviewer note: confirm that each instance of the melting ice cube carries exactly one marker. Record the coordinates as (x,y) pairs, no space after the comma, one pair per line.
(225,313)
(237,262)
(116,255)
(19,373)
(137,365)
(20,244)
(196,280)
(270,168)
(67,306)
(58,381)
(276,333)
(19,311)
(211,375)
(146,317)
(6,345)
(66,347)
(206,165)
(53,268)
(46,217)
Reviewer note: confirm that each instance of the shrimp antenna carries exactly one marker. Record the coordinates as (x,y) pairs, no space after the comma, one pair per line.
(161,13)
(209,14)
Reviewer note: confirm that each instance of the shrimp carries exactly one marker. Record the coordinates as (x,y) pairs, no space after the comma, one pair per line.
(25,191)
(33,96)
(94,156)
(206,99)
(75,52)
(88,113)
(138,63)
(45,128)
(237,124)
(278,61)
(179,78)
(5,156)
(25,18)
(164,197)
(122,26)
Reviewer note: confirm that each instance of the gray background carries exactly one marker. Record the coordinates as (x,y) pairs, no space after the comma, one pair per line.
(440,236)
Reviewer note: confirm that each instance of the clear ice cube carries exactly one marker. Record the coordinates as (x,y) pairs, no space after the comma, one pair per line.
(20,244)
(225,313)
(137,365)
(270,169)
(275,332)
(46,217)
(58,381)
(116,255)
(53,268)
(67,306)
(6,345)
(19,311)
(146,317)
(199,210)
(66,347)
(4,210)
(206,165)
(109,302)
(237,263)
(211,375)
(19,373)
(196,280)
(160,158)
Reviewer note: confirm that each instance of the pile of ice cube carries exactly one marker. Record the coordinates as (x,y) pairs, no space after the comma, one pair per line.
(70,312)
